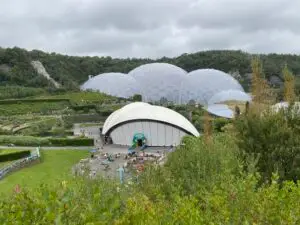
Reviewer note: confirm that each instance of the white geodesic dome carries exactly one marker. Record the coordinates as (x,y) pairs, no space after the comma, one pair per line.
(202,84)
(229,95)
(220,110)
(115,84)
(159,80)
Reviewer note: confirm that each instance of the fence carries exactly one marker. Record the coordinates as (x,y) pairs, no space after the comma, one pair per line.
(35,155)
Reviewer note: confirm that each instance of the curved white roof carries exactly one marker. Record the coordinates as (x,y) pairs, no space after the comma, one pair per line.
(159,80)
(115,84)
(202,84)
(229,95)
(145,111)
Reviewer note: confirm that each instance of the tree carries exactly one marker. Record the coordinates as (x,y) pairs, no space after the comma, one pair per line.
(163,101)
(137,98)
(289,85)
(273,139)
(261,92)
(207,127)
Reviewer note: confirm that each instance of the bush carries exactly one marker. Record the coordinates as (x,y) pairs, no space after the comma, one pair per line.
(71,142)
(274,140)
(23,140)
(14,156)
(220,123)
(10,92)
(35,141)
(105,113)
(20,101)
(200,184)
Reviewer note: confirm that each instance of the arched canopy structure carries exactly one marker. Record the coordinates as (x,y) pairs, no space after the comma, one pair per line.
(161,126)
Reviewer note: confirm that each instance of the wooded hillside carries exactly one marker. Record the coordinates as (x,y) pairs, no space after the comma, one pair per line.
(69,71)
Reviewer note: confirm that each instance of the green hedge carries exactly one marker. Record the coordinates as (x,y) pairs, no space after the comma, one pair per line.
(19,101)
(71,142)
(83,107)
(14,156)
(105,113)
(36,141)
(23,140)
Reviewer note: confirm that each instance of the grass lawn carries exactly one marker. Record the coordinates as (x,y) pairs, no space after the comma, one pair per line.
(55,165)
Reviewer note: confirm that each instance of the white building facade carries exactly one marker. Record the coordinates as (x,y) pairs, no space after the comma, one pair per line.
(161,126)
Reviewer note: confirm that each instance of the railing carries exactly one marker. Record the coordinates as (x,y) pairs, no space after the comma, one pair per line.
(35,155)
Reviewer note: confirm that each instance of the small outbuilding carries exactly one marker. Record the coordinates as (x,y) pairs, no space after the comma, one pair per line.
(158,125)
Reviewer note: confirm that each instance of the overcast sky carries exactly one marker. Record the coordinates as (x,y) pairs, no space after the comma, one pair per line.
(150,28)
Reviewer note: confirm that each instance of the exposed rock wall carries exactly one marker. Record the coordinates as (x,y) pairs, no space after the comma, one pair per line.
(38,66)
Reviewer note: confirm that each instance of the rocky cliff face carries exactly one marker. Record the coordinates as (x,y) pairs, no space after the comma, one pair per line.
(38,66)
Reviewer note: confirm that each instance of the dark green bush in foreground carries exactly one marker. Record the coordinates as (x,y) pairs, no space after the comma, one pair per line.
(200,184)
(273,139)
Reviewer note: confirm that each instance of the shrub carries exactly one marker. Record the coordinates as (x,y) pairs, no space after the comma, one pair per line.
(199,184)
(220,123)
(14,155)
(35,141)
(9,92)
(71,142)
(193,166)
(23,140)
(72,202)
(272,138)
(105,113)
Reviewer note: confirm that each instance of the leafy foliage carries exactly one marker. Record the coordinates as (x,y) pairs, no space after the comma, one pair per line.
(289,86)
(71,142)
(196,186)
(72,70)
(10,92)
(272,138)
(37,141)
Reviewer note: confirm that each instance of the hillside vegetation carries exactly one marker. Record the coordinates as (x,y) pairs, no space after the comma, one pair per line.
(248,174)
(70,71)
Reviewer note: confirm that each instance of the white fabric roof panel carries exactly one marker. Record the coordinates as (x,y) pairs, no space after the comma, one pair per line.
(159,80)
(202,84)
(144,111)
(229,95)
(115,84)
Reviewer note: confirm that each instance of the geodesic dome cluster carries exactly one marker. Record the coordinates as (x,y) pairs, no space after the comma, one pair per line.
(157,81)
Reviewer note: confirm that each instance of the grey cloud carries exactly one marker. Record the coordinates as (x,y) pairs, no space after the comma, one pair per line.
(154,28)
(248,16)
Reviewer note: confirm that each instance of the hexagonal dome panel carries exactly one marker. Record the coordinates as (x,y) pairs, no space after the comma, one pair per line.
(159,80)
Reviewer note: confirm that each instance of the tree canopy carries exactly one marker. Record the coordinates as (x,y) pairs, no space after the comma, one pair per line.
(70,71)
